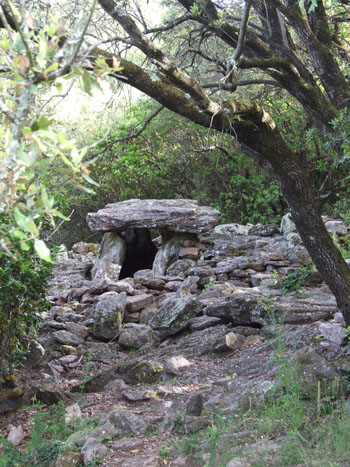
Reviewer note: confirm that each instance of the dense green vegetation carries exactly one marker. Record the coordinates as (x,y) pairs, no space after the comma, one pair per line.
(23,283)
(172,158)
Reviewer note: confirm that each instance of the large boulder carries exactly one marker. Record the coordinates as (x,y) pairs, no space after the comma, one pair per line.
(175,315)
(132,371)
(233,230)
(108,315)
(135,336)
(176,215)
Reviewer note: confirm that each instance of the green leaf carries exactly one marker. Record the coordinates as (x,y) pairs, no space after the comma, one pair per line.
(67,161)
(42,250)
(43,48)
(52,67)
(87,82)
(60,215)
(19,234)
(89,180)
(42,123)
(51,29)
(77,156)
(25,247)
(32,189)
(31,227)
(61,137)
(20,218)
(47,202)
(26,130)
(77,70)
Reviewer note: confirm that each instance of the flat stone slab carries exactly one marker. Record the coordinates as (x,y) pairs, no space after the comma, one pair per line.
(176,215)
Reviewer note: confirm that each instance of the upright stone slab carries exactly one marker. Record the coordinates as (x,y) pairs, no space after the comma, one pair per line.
(110,257)
(169,252)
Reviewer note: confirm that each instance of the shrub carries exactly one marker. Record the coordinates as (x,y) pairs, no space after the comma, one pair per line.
(23,280)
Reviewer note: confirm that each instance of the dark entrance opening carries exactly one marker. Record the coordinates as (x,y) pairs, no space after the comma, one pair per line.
(140,251)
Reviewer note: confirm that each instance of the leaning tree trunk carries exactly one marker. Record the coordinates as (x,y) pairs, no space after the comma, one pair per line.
(301,197)
(324,253)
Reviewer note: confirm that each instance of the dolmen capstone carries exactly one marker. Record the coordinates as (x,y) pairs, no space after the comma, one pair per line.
(127,245)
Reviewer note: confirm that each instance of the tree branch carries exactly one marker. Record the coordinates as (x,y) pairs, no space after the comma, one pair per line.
(128,137)
(170,25)
(232,64)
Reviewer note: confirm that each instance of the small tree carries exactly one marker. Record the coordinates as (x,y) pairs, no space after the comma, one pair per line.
(34,56)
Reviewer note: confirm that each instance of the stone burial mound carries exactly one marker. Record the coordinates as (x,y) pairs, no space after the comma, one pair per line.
(173,313)
(127,246)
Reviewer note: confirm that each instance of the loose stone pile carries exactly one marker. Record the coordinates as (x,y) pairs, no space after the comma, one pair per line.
(207,290)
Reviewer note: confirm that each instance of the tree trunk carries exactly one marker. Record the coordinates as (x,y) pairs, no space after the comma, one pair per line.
(273,153)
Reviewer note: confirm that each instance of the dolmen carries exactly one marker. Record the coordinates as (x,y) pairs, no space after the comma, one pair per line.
(131,228)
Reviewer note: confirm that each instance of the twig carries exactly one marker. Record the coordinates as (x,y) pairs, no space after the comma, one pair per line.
(128,137)
(58,227)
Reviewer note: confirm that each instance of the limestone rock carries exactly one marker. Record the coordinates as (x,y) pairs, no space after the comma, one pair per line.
(99,351)
(35,355)
(77,329)
(194,404)
(110,257)
(83,248)
(336,226)
(139,395)
(204,322)
(68,458)
(236,462)
(128,444)
(230,341)
(49,393)
(175,315)
(168,253)
(134,336)
(108,315)
(72,412)
(176,215)
(174,365)
(287,225)
(67,338)
(16,435)
(10,393)
(313,369)
(154,283)
(333,332)
(132,371)
(189,253)
(127,422)
(92,451)
(179,267)
(116,385)
(138,302)
(232,230)
(105,431)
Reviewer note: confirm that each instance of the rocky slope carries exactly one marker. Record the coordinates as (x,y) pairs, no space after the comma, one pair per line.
(154,356)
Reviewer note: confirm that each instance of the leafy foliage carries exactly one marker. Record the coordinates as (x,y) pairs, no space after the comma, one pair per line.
(33,58)
(23,280)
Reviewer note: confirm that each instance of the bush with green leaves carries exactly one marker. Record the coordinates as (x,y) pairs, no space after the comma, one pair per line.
(23,281)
